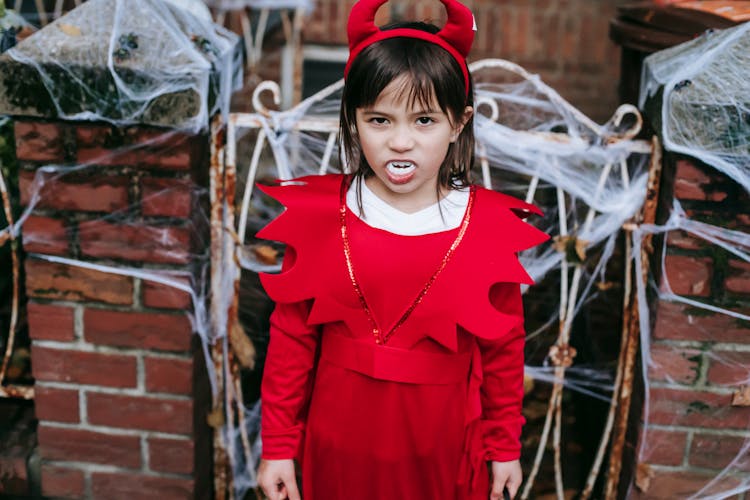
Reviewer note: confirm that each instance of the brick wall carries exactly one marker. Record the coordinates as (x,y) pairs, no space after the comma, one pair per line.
(700,359)
(121,388)
(565,41)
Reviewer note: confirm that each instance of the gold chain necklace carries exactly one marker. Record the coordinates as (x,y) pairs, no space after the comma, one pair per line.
(376,331)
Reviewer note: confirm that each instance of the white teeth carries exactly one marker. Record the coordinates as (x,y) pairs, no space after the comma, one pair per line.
(400,168)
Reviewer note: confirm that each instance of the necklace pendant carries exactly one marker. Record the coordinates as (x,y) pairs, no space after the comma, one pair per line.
(382,339)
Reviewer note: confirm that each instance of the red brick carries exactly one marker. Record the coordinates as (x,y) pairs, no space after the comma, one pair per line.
(570,38)
(77,445)
(58,405)
(738,280)
(664,447)
(50,322)
(675,322)
(590,39)
(729,368)
(136,147)
(166,297)
(693,183)
(168,332)
(169,375)
(682,239)
(519,44)
(80,192)
(62,482)
(48,280)
(57,365)
(171,455)
(39,141)
(135,242)
(146,413)
(166,197)
(689,275)
(717,452)
(679,484)
(111,486)
(697,409)
(674,364)
(45,235)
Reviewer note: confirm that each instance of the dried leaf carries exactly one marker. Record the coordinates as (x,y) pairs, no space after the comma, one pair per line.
(242,346)
(741,397)
(605,285)
(3,238)
(560,243)
(215,418)
(643,475)
(69,29)
(528,383)
(21,356)
(573,248)
(266,254)
(580,247)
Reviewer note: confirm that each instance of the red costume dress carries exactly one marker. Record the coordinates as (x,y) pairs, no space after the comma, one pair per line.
(376,413)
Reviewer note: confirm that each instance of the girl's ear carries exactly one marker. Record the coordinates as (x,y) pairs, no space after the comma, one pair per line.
(461,122)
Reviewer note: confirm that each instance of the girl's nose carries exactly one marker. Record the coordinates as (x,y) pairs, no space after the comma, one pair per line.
(400,140)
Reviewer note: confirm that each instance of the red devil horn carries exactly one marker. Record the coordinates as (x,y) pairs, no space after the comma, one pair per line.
(362,21)
(459,30)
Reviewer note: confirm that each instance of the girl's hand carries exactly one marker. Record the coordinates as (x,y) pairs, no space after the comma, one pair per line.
(505,475)
(277,479)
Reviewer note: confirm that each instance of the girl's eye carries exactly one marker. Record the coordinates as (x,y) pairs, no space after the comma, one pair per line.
(379,120)
(425,120)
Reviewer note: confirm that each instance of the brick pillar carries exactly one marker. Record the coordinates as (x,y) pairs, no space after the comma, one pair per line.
(121,389)
(700,359)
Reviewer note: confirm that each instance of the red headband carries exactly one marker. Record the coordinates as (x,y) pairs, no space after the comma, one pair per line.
(456,37)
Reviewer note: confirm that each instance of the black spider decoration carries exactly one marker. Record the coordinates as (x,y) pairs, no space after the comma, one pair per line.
(681,85)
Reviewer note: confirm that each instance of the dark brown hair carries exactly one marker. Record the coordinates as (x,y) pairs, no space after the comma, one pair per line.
(431,72)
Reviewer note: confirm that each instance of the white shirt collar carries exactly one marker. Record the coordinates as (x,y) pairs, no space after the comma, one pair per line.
(379,214)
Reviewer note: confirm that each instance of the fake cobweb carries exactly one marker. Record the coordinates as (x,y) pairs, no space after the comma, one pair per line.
(589,179)
(126,62)
(706,108)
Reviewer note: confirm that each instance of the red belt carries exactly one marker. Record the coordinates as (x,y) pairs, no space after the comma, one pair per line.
(395,364)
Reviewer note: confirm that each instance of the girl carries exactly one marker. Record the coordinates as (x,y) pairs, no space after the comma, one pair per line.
(395,366)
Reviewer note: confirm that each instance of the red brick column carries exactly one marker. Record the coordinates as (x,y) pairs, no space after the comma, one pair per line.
(700,359)
(121,389)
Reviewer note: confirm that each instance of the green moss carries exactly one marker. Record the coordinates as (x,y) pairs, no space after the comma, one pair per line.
(697,407)
(697,311)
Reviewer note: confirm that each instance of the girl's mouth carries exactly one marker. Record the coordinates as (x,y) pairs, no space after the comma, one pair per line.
(400,172)
(400,168)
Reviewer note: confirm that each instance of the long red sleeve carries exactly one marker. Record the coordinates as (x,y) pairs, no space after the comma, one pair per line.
(502,385)
(287,378)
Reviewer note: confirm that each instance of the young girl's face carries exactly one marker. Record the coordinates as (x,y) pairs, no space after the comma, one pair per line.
(405,144)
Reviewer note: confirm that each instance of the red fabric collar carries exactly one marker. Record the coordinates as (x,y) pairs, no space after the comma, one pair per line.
(310,225)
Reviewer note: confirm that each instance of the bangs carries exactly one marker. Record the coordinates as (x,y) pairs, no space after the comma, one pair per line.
(428,74)
(418,92)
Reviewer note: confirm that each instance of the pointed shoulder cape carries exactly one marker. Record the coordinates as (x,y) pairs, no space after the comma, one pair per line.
(460,296)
